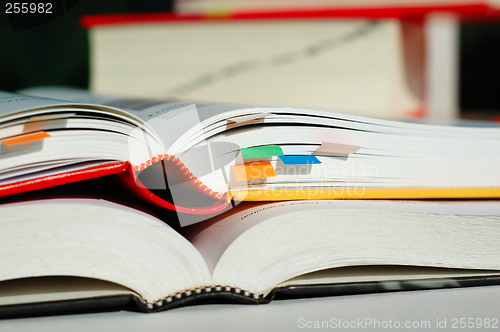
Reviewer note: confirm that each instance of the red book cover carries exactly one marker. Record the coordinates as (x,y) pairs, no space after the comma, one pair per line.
(127,174)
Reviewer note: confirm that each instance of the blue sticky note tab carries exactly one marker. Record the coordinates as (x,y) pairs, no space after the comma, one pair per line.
(299,159)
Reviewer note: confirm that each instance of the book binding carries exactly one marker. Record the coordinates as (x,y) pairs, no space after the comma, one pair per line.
(223,294)
(128,176)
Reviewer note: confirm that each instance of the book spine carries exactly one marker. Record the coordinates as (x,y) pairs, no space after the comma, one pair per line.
(205,294)
(228,294)
(220,202)
(63,178)
(127,175)
(186,172)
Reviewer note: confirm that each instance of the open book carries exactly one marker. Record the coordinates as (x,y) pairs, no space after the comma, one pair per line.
(70,254)
(208,154)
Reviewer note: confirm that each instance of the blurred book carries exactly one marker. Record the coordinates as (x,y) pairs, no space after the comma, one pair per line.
(353,66)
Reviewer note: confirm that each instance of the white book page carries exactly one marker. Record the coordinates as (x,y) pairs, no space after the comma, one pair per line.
(13,102)
(213,239)
(169,120)
(97,239)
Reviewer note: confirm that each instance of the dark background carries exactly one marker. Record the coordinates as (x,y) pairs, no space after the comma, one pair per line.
(53,50)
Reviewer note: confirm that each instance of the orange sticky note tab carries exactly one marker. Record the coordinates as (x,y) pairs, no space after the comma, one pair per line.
(254,170)
(25,138)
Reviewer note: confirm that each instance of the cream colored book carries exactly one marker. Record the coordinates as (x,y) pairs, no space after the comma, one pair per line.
(86,254)
(354,65)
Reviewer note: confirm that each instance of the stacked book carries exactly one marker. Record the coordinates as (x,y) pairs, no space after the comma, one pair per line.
(138,203)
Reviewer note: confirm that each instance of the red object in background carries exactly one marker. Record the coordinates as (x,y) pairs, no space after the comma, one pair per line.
(413,19)
(479,11)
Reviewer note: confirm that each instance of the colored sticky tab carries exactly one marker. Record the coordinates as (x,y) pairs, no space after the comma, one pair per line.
(262,151)
(25,138)
(255,170)
(336,149)
(299,159)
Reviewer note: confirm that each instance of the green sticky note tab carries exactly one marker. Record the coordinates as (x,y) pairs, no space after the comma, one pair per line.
(261,151)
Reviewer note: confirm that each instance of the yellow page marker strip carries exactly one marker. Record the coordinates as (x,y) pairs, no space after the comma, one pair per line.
(254,170)
(336,149)
(369,193)
(25,138)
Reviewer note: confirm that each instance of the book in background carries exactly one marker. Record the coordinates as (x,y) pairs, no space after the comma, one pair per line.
(353,66)
(442,45)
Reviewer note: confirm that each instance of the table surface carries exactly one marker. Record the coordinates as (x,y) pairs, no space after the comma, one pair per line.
(427,310)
